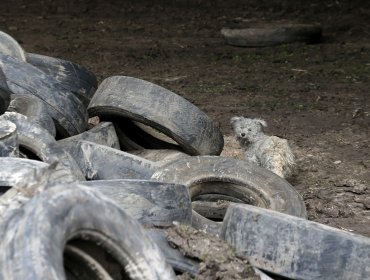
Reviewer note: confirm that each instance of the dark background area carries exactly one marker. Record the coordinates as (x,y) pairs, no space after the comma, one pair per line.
(317,96)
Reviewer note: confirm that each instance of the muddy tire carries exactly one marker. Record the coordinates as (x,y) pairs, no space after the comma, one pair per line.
(103,134)
(272,34)
(99,162)
(67,111)
(34,109)
(160,157)
(9,46)
(71,76)
(9,146)
(293,247)
(21,179)
(21,172)
(37,143)
(14,169)
(231,178)
(163,112)
(79,217)
(151,203)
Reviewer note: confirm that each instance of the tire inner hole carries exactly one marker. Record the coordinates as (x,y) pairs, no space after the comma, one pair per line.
(135,135)
(211,199)
(4,189)
(85,259)
(26,153)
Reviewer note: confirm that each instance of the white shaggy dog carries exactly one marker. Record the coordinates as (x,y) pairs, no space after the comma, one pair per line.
(270,152)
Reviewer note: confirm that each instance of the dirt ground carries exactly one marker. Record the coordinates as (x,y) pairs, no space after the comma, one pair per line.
(317,96)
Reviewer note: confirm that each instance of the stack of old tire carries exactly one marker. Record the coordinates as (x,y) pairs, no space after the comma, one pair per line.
(82,202)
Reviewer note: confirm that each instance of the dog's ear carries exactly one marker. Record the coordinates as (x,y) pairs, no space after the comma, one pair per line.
(261,122)
(234,120)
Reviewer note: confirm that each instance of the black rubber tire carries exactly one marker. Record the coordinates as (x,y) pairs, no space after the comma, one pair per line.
(37,141)
(156,107)
(4,93)
(8,139)
(34,109)
(66,109)
(103,133)
(295,248)
(37,235)
(239,179)
(160,157)
(271,34)
(152,203)
(99,162)
(9,46)
(71,76)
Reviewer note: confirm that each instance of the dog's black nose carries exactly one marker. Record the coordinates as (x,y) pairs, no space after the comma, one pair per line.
(243,134)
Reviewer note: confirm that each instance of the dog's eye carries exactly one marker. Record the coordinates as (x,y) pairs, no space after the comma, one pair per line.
(249,129)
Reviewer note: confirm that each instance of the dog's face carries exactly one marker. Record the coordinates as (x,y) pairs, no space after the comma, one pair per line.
(247,130)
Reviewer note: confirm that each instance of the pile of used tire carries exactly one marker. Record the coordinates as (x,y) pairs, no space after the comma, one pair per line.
(82,202)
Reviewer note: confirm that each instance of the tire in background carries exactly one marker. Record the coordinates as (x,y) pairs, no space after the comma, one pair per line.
(272,34)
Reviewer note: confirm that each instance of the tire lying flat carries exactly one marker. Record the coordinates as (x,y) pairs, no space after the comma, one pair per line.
(235,178)
(78,215)
(271,34)
(66,109)
(124,99)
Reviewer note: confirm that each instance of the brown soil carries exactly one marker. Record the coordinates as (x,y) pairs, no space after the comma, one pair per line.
(317,96)
(217,258)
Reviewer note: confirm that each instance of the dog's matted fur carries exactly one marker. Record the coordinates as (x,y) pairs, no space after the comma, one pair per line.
(270,152)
